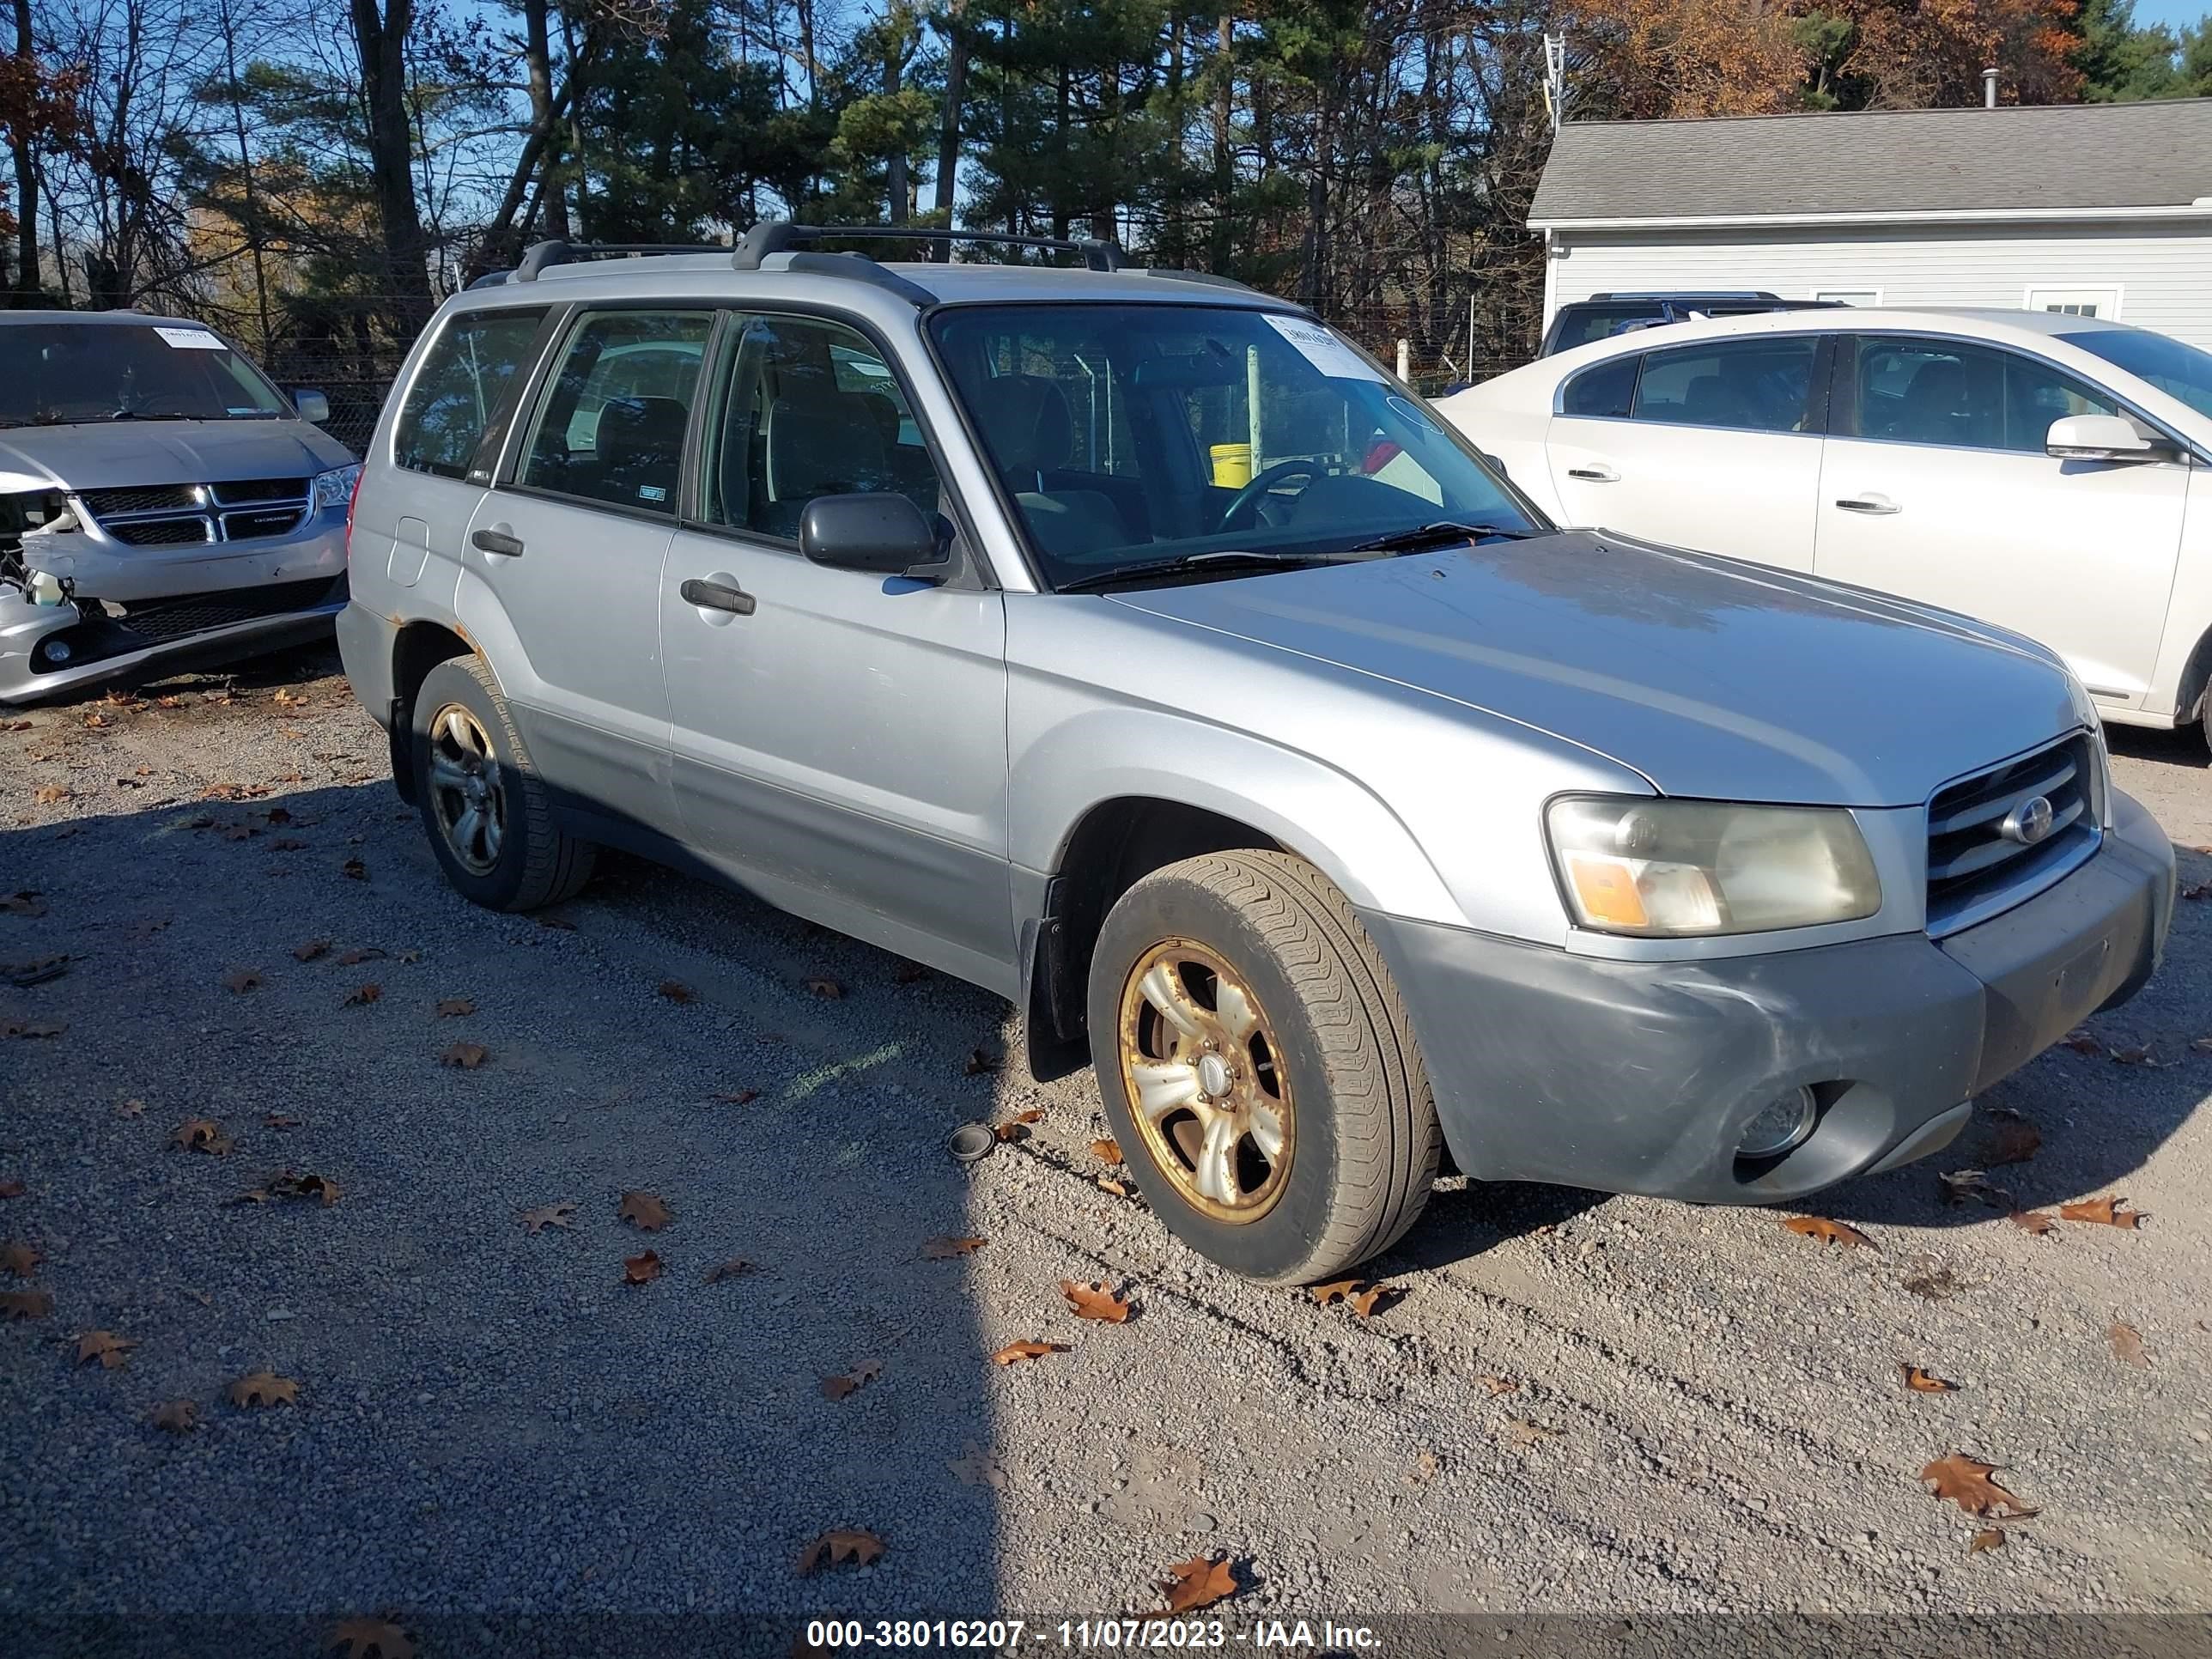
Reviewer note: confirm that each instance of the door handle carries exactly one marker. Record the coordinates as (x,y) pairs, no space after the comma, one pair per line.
(1869,503)
(498,538)
(1594,473)
(717,596)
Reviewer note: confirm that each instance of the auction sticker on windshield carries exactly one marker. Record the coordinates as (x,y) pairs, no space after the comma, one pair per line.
(1323,350)
(191,339)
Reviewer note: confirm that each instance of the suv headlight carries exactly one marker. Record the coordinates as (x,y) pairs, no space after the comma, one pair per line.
(1673,869)
(335,487)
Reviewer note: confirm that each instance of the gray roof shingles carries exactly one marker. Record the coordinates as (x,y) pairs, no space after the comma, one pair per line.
(1932,160)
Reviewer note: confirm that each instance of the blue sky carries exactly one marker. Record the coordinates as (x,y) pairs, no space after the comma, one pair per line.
(2173,13)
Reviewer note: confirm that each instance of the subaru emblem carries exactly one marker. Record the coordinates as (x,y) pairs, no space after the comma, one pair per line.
(2027,823)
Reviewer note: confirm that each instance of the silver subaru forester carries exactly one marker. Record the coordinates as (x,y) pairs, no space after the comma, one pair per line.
(1129,644)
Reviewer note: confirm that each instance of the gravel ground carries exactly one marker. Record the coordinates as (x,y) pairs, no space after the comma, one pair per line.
(1576,1404)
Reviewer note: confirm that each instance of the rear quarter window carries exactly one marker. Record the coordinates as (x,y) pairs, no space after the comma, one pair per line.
(1601,391)
(465,378)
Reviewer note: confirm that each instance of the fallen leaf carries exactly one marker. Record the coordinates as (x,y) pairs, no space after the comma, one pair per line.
(1197,1583)
(243,980)
(2104,1212)
(943,1246)
(277,1120)
(354,869)
(11,1188)
(1962,1480)
(976,1468)
(1016,1126)
(455,1007)
(276,815)
(311,949)
(557,924)
(563,1215)
(835,1548)
(1932,1280)
(201,1134)
(737,1097)
(1988,1538)
(25,903)
(1374,1298)
(644,1211)
(2082,1043)
(33,1028)
(2128,1346)
(1424,1470)
(50,794)
(2015,1140)
(264,1388)
(37,972)
(1340,1290)
(1525,1431)
(362,996)
(1497,1386)
(2142,1056)
(15,725)
(95,719)
(286,698)
(25,1304)
(1096,1302)
(1827,1231)
(288,844)
(2198,891)
(2037,1222)
(735,1267)
(466,1056)
(981,1063)
(676,992)
(19,1259)
(368,1639)
(910,973)
(355,957)
(1108,1184)
(1922,1381)
(177,1416)
(1960,1186)
(641,1269)
(1014,1353)
(851,1383)
(826,988)
(1107,1151)
(112,1352)
(285,1184)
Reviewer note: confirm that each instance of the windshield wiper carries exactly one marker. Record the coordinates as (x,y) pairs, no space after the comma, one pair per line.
(1440,533)
(1183,561)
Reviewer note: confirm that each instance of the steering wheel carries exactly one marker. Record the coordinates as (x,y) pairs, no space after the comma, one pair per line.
(1261,485)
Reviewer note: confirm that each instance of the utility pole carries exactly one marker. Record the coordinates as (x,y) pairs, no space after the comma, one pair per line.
(1555,78)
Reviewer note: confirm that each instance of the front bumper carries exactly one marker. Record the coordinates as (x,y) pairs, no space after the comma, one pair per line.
(1641,1077)
(252,596)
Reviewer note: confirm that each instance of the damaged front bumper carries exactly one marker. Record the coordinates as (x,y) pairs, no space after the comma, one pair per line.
(135,610)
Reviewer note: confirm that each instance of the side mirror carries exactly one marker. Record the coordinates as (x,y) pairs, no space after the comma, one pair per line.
(875,530)
(2101,438)
(315,408)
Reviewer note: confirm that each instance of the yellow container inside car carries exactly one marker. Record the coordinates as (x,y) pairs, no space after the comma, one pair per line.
(1232,465)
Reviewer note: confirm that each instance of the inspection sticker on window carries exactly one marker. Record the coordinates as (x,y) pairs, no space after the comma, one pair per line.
(1323,350)
(191,339)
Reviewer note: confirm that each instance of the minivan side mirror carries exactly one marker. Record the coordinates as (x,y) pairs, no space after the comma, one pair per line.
(876,530)
(315,408)
(2102,438)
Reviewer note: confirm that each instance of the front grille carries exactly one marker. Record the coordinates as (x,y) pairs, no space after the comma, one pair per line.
(195,613)
(177,515)
(1975,869)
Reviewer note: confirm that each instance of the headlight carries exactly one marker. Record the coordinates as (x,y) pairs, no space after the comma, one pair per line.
(1671,869)
(335,487)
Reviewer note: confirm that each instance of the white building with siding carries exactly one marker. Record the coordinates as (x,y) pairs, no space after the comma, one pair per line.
(2101,208)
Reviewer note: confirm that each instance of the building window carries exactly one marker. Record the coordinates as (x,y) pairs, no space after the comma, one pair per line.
(1850,296)
(2076,301)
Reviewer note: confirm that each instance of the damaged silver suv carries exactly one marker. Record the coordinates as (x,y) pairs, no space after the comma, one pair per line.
(162,504)
(1133,645)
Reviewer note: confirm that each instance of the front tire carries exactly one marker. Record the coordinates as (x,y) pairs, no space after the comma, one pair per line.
(489,816)
(1257,1065)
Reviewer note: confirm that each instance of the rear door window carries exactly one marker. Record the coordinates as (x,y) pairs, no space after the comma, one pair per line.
(465,377)
(611,422)
(1759,384)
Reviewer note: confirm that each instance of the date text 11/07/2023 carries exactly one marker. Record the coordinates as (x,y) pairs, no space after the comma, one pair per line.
(1013,1634)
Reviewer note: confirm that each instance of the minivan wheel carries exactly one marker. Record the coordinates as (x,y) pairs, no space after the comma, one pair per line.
(489,817)
(1256,1062)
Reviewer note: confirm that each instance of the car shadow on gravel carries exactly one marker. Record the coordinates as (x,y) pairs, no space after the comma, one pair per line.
(489,1414)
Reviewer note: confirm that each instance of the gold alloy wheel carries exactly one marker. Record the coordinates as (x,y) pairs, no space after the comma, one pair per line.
(1205,1081)
(465,789)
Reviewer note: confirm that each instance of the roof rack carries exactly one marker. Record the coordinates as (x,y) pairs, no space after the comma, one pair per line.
(540,255)
(778,235)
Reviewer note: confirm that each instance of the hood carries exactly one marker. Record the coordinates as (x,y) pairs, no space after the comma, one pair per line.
(1711,677)
(113,453)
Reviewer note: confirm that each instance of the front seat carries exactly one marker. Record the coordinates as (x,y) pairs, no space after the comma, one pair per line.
(1031,435)
(819,443)
(640,447)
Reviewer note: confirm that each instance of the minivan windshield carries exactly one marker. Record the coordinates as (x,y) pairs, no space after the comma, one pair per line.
(1147,435)
(63,373)
(2179,371)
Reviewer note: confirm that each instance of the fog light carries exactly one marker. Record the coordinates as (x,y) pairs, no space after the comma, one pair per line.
(1782,1124)
(56,650)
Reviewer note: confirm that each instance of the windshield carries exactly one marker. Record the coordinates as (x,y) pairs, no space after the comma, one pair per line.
(2178,370)
(1131,434)
(61,373)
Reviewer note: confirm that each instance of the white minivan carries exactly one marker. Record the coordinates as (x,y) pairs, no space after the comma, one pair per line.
(2048,472)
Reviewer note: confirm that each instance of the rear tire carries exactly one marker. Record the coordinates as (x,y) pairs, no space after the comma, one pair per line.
(489,816)
(1258,1067)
